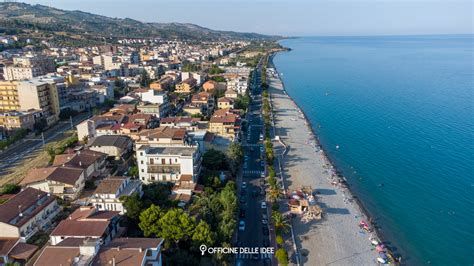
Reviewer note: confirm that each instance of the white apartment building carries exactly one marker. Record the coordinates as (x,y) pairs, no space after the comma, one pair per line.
(169,163)
(108,193)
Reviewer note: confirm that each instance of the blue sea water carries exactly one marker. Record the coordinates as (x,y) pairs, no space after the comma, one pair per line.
(401,110)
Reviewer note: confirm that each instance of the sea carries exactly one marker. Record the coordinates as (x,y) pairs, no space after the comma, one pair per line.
(395,115)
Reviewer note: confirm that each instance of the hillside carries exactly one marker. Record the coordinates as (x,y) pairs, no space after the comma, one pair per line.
(62,26)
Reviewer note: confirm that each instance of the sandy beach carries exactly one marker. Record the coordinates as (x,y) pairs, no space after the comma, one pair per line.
(337,238)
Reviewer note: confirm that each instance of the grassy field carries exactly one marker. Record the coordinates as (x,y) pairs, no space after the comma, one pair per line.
(36,159)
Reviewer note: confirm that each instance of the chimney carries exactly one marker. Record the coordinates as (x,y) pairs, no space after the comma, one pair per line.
(80,163)
(19,210)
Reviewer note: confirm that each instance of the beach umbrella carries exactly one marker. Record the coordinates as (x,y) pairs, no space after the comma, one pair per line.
(379,248)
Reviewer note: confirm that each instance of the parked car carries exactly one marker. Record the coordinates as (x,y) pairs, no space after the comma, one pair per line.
(263,205)
(262,149)
(242,213)
(242,226)
(264,221)
(262,163)
(244,185)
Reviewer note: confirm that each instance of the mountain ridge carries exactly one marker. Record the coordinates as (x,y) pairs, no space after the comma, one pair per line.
(48,23)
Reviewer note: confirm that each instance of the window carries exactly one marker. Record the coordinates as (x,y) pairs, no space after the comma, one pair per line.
(176,160)
(141,162)
(152,161)
(163,161)
(143,171)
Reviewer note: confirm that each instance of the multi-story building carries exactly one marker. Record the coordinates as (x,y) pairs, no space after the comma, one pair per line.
(186,86)
(26,213)
(159,110)
(225,102)
(116,146)
(108,62)
(9,96)
(162,84)
(64,182)
(87,222)
(169,164)
(204,101)
(28,67)
(119,252)
(108,192)
(39,95)
(14,120)
(115,124)
(225,123)
(167,154)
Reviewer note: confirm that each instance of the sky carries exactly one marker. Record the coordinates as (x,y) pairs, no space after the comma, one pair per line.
(293,17)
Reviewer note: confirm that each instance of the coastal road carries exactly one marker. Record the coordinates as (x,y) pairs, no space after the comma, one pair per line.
(252,196)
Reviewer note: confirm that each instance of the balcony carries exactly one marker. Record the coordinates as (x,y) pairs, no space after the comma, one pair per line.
(164,169)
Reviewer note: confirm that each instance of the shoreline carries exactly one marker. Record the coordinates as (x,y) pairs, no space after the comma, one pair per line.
(336,174)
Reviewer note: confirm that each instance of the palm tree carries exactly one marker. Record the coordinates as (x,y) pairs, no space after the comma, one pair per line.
(202,205)
(280,222)
(275,193)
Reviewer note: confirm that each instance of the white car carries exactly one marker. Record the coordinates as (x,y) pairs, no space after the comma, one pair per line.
(264,221)
(263,205)
(261,149)
(244,185)
(242,226)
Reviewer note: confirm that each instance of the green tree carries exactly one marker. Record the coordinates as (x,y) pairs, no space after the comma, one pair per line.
(214,160)
(272,181)
(10,189)
(235,152)
(176,225)
(242,102)
(226,227)
(218,79)
(133,172)
(203,234)
(134,206)
(279,240)
(228,198)
(271,171)
(150,221)
(275,193)
(144,79)
(280,222)
(215,70)
(282,256)
(51,153)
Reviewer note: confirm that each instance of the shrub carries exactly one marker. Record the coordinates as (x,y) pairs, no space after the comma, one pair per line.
(279,240)
(282,256)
